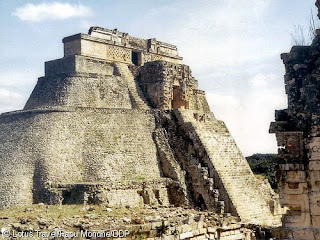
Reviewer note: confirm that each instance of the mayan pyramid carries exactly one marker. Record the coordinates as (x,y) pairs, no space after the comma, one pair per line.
(119,120)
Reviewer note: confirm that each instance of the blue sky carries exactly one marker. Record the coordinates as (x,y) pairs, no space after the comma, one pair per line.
(233,48)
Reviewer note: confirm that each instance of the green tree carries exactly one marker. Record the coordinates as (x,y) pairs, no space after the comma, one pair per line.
(266,165)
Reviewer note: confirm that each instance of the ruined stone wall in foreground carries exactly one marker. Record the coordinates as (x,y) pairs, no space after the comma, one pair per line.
(297,130)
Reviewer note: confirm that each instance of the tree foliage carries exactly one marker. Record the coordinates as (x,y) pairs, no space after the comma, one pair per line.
(266,165)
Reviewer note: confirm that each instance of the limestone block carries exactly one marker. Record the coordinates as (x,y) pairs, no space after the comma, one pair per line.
(94,49)
(156,225)
(170,237)
(163,197)
(212,229)
(189,219)
(225,233)
(294,221)
(294,188)
(298,214)
(201,237)
(295,177)
(200,224)
(291,167)
(314,149)
(152,197)
(72,47)
(303,234)
(248,234)
(179,229)
(124,197)
(186,228)
(317,234)
(282,233)
(212,236)
(315,180)
(153,233)
(292,143)
(77,64)
(145,228)
(298,202)
(199,231)
(186,235)
(200,217)
(315,221)
(315,204)
(230,235)
(314,165)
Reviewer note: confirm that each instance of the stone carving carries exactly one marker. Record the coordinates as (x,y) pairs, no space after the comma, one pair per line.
(291,145)
(118,53)
(314,148)
(298,136)
(112,45)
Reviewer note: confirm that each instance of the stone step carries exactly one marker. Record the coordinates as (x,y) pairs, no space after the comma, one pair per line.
(231,167)
(138,98)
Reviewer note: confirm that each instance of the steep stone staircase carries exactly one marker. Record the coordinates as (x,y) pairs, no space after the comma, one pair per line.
(137,97)
(226,161)
(204,184)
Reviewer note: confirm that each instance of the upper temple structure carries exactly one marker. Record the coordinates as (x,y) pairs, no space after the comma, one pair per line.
(120,120)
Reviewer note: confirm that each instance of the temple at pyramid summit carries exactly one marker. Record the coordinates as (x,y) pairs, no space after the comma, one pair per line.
(119,120)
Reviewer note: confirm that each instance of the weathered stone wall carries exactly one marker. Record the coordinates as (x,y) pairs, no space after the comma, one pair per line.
(74,146)
(16,169)
(81,90)
(171,86)
(78,64)
(112,45)
(80,82)
(297,130)
(120,194)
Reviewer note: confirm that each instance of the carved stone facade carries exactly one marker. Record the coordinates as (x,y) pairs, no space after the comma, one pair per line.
(297,130)
(170,86)
(112,45)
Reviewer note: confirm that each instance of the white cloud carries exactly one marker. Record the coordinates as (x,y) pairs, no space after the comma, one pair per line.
(54,11)
(221,102)
(211,34)
(11,100)
(24,78)
(6,95)
(262,80)
(15,88)
(86,25)
(248,117)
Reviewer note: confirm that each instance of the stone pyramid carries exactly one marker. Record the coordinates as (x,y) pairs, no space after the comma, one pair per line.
(120,121)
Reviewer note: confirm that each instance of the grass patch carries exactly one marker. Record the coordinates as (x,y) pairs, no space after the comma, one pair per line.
(59,211)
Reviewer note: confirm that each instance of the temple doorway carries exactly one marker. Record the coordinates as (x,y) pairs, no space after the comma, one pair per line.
(177,98)
(136,58)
